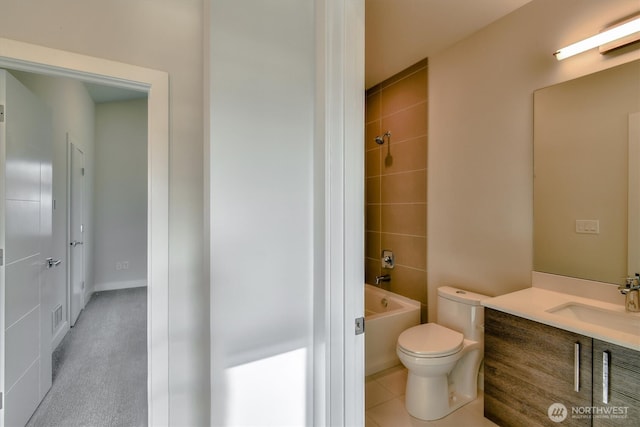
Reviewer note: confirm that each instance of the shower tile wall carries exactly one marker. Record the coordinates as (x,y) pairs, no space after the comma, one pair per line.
(396,182)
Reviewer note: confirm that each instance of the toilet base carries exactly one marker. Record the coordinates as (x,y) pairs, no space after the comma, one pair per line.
(428,398)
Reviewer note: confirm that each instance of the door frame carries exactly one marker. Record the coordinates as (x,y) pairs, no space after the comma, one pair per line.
(70,144)
(341,78)
(38,59)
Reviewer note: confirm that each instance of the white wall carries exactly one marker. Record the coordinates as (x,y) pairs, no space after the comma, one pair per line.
(73,112)
(262,81)
(480,138)
(121,195)
(165,35)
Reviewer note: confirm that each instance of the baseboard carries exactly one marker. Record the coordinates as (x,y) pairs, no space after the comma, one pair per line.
(59,335)
(112,286)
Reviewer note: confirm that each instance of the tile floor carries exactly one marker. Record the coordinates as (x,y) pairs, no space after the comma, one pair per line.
(384,404)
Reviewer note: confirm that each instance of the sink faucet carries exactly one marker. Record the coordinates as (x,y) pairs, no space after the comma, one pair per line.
(631,291)
(383,278)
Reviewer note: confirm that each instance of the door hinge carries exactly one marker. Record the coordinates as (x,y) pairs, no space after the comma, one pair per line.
(1,113)
(1,257)
(83,284)
(82,171)
(359,325)
(1,400)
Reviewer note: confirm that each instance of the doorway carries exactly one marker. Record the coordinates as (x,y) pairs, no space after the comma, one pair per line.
(75,228)
(31,58)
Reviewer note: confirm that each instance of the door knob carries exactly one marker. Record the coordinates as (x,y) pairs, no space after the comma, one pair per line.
(53,263)
(76,243)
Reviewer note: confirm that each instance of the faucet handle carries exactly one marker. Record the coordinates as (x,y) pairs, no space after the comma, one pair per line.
(632,283)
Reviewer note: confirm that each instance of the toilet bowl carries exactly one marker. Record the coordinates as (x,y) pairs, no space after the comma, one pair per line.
(443,361)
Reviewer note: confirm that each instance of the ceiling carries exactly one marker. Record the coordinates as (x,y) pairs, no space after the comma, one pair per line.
(100,94)
(399,33)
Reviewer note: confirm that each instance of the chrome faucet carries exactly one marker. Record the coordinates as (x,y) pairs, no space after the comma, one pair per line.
(383,278)
(631,291)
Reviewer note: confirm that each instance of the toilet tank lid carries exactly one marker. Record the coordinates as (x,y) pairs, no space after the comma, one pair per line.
(460,295)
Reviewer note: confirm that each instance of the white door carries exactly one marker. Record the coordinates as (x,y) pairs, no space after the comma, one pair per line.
(25,237)
(76,231)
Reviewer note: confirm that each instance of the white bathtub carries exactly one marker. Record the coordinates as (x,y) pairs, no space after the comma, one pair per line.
(386,316)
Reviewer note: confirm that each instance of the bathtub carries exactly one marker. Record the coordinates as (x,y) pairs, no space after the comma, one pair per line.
(386,316)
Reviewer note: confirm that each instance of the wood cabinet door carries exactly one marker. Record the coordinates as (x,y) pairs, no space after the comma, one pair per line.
(529,367)
(623,407)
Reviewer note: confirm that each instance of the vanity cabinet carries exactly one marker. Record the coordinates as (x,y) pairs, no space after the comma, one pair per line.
(529,366)
(623,407)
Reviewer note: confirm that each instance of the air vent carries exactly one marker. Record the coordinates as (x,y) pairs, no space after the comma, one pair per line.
(57,317)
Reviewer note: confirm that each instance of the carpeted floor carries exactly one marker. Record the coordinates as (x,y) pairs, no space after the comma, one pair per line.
(100,368)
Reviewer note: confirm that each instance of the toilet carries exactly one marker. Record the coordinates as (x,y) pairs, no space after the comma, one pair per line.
(443,358)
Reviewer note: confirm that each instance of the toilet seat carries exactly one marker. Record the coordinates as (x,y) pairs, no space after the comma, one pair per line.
(430,340)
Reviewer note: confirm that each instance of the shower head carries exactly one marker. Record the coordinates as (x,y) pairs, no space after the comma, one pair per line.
(380,139)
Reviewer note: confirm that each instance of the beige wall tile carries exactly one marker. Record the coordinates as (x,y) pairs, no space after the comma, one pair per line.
(371,270)
(372,218)
(409,282)
(371,130)
(372,188)
(405,219)
(372,107)
(405,156)
(406,124)
(372,163)
(372,246)
(396,181)
(409,251)
(404,93)
(404,187)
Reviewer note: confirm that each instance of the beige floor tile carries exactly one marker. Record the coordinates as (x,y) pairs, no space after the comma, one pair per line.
(392,412)
(395,381)
(376,394)
(368,422)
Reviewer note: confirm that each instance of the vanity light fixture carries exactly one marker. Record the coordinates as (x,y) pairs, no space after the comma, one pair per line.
(624,33)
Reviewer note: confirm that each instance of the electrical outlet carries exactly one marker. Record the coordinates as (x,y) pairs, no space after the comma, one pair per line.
(122,265)
(587,226)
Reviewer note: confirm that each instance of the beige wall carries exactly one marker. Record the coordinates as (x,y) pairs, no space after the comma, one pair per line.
(164,35)
(480,138)
(396,181)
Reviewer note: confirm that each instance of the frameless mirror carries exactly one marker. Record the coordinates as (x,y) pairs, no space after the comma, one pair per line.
(586,218)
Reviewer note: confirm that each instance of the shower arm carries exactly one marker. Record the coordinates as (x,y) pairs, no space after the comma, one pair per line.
(380,139)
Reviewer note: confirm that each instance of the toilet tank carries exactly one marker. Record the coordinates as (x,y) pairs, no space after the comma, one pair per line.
(461,311)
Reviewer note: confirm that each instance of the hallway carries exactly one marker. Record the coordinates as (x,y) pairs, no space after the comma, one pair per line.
(100,368)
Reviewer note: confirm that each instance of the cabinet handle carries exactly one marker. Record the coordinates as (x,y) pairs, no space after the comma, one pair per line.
(576,367)
(605,377)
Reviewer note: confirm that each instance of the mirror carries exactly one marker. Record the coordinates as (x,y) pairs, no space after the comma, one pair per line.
(584,130)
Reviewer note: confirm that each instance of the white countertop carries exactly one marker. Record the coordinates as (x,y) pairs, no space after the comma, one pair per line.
(533,303)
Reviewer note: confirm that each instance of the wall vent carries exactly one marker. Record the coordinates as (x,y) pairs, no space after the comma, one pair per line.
(57,317)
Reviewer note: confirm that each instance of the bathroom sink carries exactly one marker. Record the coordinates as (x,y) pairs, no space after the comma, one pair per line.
(610,319)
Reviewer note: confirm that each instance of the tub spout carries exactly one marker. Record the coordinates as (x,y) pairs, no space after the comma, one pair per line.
(383,278)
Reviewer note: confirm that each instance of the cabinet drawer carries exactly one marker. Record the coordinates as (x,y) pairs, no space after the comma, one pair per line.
(623,407)
(530,366)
